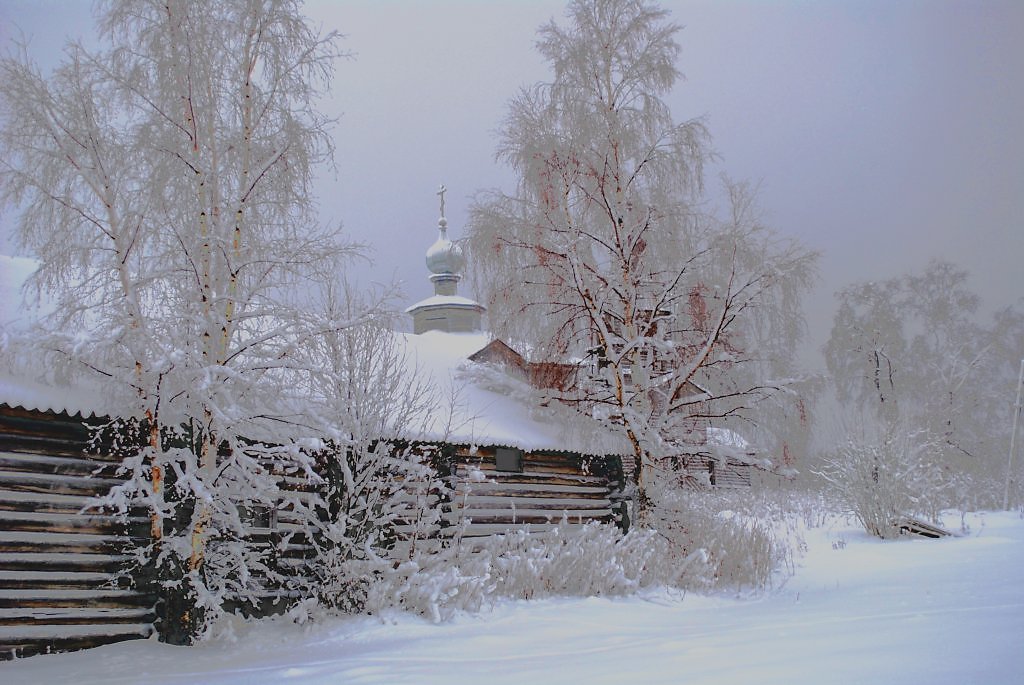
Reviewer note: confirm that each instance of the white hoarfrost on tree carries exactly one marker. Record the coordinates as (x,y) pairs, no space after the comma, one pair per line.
(164,185)
(913,349)
(604,256)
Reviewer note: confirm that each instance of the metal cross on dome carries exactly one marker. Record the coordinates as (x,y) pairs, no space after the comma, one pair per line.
(440,192)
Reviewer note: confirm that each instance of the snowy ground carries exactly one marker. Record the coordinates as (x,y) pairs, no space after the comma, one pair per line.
(857,611)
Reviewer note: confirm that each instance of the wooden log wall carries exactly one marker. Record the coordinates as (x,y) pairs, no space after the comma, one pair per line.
(57,564)
(59,583)
(550,486)
(723,472)
(730,473)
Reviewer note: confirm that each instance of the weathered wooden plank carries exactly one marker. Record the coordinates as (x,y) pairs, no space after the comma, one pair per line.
(96,525)
(556,503)
(480,529)
(97,599)
(30,634)
(43,445)
(57,484)
(527,489)
(74,538)
(75,616)
(53,507)
(544,499)
(55,632)
(46,580)
(17,496)
(523,492)
(74,516)
(62,561)
(527,515)
(530,467)
(20,462)
(84,547)
(466,473)
(10,649)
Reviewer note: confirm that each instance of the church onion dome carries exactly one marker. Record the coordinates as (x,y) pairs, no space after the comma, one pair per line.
(444,256)
(446,310)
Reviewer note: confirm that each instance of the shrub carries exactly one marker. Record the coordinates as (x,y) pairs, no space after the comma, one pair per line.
(740,550)
(570,560)
(884,473)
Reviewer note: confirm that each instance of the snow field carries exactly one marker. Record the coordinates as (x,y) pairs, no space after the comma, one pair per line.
(857,610)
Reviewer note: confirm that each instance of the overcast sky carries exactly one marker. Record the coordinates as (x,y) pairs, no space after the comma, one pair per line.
(883,133)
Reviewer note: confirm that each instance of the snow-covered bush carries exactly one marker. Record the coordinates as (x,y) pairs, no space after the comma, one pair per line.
(740,550)
(570,560)
(380,492)
(378,504)
(883,472)
(702,550)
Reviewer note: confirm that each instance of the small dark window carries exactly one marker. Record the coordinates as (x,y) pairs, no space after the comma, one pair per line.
(509,459)
(258,517)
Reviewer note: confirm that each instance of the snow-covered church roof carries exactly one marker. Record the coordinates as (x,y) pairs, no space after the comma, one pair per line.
(474,403)
(480,404)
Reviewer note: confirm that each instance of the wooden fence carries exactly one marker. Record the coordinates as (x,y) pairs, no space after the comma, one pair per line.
(58,587)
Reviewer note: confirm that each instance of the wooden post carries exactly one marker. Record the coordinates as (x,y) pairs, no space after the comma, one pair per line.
(1013,437)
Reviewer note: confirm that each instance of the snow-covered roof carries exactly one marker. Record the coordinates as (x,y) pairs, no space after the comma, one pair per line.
(24,392)
(481,405)
(475,404)
(726,438)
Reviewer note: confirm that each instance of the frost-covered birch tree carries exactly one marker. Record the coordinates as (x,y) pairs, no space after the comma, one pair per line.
(604,252)
(164,185)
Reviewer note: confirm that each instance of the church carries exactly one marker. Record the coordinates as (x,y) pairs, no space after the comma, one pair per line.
(515,461)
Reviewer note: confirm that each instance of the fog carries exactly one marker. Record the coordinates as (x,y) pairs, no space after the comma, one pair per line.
(882,134)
